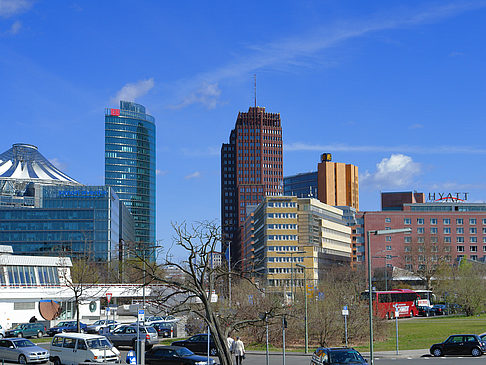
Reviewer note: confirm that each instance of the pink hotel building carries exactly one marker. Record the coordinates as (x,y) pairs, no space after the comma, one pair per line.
(447,225)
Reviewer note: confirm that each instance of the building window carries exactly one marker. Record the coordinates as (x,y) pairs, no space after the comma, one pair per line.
(408,248)
(420,240)
(407,239)
(433,230)
(408,221)
(447,240)
(446,221)
(472,221)
(420,221)
(433,221)
(473,248)
(460,248)
(474,257)
(447,230)
(388,238)
(447,249)
(434,249)
(459,221)
(388,248)
(473,230)
(484,248)
(484,220)
(388,257)
(459,239)
(387,220)
(420,230)
(460,230)
(473,239)
(408,267)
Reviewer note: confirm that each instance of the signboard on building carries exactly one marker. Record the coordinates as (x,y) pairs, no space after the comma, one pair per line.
(448,197)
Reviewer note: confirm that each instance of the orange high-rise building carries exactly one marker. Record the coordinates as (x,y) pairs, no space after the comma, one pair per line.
(337,183)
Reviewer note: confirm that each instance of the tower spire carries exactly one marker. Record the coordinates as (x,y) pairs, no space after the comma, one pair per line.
(254,88)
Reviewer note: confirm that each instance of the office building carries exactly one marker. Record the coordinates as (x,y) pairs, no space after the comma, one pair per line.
(130,165)
(251,168)
(284,233)
(302,185)
(43,211)
(333,183)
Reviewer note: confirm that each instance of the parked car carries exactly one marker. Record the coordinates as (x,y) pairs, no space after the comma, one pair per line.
(2,332)
(27,330)
(337,355)
(80,348)
(150,319)
(165,329)
(168,355)
(67,326)
(96,326)
(439,309)
(426,311)
(126,335)
(22,351)
(198,344)
(459,345)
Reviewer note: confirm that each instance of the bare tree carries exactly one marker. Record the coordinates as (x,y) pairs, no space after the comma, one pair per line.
(188,285)
(424,255)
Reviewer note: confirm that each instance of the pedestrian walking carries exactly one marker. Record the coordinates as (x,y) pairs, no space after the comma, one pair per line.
(230,342)
(239,350)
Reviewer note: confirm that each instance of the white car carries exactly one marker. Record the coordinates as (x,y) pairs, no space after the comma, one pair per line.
(79,348)
(96,326)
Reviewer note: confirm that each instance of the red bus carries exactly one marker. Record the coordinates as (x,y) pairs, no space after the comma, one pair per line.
(385,303)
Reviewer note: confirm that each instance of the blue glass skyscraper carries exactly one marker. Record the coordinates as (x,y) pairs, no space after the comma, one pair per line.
(130,164)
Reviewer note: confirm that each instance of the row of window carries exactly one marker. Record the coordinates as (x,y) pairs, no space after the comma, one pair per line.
(283,237)
(282,205)
(285,259)
(283,248)
(433,221)
(282,226)
(26,275)
(285,270)
(446,239)
(282,215)
(446,248)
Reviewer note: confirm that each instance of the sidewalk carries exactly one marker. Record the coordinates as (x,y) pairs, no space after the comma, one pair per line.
(405,354)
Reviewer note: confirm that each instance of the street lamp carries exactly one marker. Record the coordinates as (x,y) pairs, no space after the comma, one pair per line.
(291,270)
(370,296)
(305,316)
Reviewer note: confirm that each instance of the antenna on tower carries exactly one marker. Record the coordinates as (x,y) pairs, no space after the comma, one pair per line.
(254,88)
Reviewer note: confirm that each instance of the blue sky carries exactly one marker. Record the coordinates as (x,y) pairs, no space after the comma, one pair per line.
(397,88)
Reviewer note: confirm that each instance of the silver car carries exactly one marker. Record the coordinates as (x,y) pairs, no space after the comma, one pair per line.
(22,351)
(126,335)
(95,327)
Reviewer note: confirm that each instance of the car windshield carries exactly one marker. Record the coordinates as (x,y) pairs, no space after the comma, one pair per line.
(99,343)
(23,343)
(63,324)
(344,356)
(184,352)
(20,326)
(99,322)
(151,329)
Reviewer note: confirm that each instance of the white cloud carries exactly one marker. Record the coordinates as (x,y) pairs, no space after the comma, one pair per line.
(341,147)
(132,91)
(194,175)
(56,162)
(307,49)
(416,126)
(207,95)
(161,172)
(394,172)
(12,7)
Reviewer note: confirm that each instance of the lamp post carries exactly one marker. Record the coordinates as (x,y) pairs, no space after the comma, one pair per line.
(370,296)
(292,253)
(305,316)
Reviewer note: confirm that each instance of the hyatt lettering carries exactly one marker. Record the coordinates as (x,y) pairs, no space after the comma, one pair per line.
(448,197)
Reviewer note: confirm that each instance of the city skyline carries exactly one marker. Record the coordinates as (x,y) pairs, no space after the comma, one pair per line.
(397,90)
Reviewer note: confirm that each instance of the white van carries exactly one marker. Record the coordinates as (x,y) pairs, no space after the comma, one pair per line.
(78,348)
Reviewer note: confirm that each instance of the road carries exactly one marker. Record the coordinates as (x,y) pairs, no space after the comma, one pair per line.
(301,359)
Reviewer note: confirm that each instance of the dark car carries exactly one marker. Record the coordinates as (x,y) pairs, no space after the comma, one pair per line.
(439,309)
(198,344)
(337,355)
(459,345)
(67,326)
(165,329)
(169,355)
(126,335)
(426,311)
(27,330)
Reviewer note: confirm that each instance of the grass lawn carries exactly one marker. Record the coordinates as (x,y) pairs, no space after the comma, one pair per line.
(421,333)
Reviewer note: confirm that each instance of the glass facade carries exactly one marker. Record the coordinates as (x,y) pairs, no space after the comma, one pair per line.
(77,221)
(301,185)
(130,164)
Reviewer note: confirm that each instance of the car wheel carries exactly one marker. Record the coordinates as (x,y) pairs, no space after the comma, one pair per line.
(1,335)
(20,334)
(213,352)
(22,359)
(476,352)
(57,361)
(40,334)
(437,352)
(411,314)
